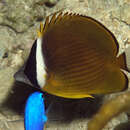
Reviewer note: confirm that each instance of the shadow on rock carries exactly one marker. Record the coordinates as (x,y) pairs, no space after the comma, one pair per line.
(66,110)
(58,109)
(123,126)
(16,100)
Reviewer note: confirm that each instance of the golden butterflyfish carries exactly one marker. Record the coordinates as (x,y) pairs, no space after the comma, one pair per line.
(75,56)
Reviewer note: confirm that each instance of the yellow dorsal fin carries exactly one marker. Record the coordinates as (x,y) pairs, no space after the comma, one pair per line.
(53,19)
(40,31)
(46,25)
(57,16)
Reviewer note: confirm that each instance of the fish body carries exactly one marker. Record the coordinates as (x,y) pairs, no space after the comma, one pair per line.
(75,56)
(35,117)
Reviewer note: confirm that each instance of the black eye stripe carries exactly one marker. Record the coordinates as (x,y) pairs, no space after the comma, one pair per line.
(30,69)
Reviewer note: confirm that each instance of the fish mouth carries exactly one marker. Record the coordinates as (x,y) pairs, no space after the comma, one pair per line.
(21,77)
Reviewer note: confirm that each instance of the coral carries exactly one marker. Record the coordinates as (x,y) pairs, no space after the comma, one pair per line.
(109,110)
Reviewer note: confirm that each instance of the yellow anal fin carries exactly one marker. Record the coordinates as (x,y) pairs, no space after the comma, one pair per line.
(76,96)
(89,96)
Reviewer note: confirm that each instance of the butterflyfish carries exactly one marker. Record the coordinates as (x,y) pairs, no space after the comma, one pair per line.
(76,56)
(34,116)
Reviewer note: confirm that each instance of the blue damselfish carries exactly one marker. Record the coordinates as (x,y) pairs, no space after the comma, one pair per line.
(35,118)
